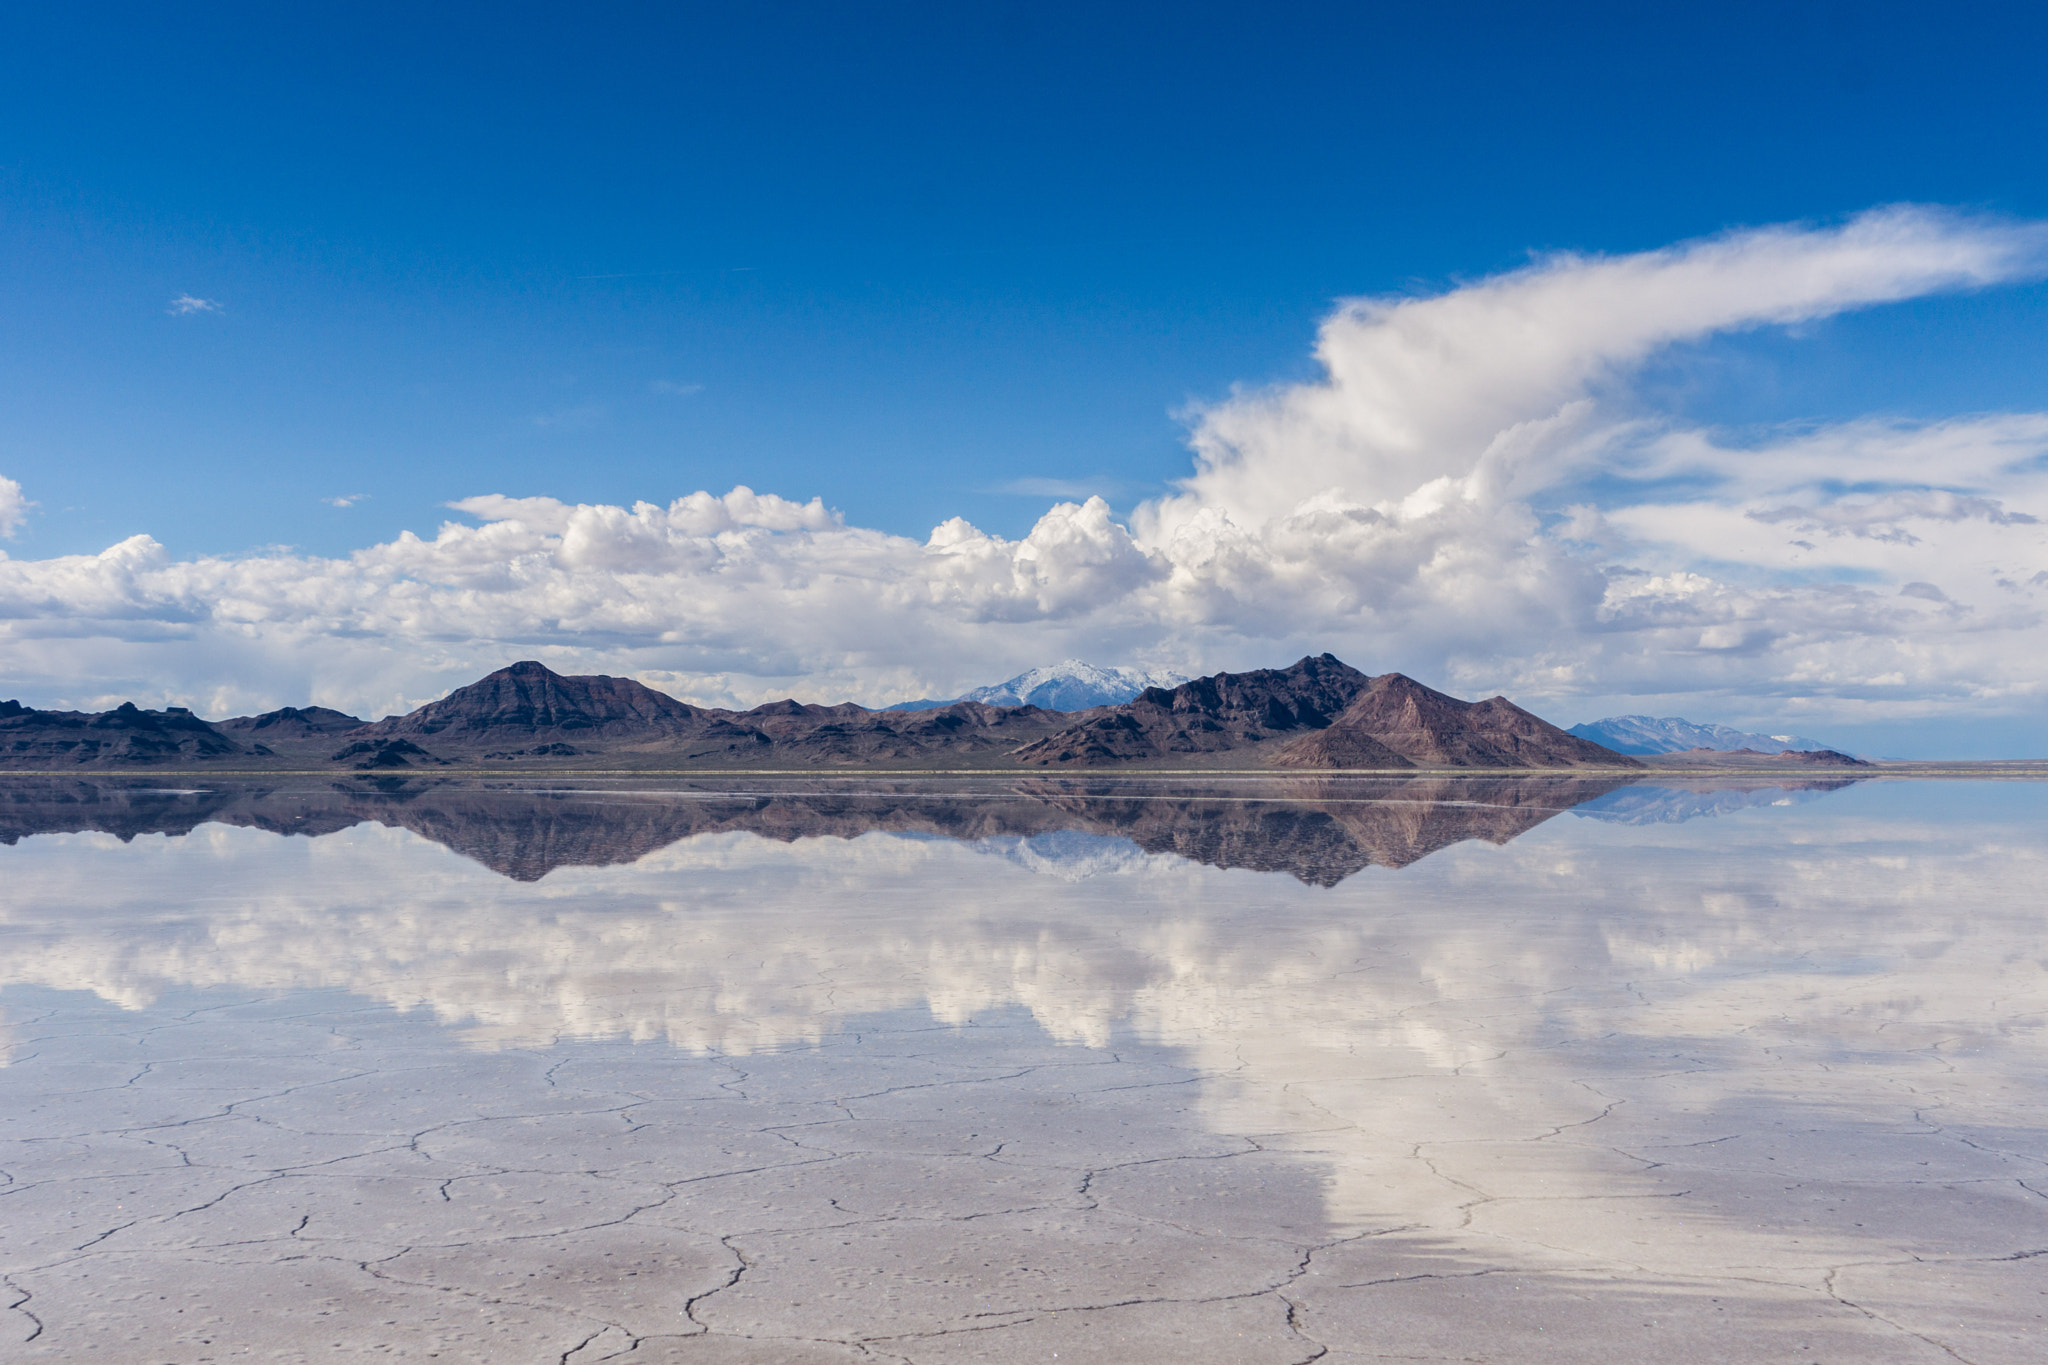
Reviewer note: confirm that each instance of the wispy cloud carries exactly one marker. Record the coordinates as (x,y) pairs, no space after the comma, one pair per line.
(673,389)
(1071,489)
(584,417)
(1886,517)
(187,304)
(346,499)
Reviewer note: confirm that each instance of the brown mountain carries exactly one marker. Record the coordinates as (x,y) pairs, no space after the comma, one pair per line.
(1424,728)
(528,713)
(1754,758)
(531,701)
(1210,715)
(291,722)
(125,736)
(1320,713)
(1317,714)
(294,736)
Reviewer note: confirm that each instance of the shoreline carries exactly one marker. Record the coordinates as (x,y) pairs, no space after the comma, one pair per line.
(1900,768)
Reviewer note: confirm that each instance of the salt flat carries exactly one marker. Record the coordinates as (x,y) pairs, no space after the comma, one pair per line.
(1705,1072)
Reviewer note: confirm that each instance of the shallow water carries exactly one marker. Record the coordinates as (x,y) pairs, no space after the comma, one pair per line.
(1498,1070)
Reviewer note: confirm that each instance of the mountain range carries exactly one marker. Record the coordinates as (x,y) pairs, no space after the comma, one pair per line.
(1319,714)
(1069,686)
(1671,735)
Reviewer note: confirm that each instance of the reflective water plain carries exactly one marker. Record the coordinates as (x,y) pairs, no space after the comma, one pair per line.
(1263,1071)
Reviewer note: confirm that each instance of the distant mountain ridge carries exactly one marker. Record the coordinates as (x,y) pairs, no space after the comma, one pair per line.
(1068,686)
(1671,735)
(1318,713)
(125,735)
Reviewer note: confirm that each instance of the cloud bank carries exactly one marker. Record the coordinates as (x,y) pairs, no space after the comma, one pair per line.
(1474,491)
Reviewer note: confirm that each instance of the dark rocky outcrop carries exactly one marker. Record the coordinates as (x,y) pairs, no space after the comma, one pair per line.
(1210,715)
(847,734)
(1755,758)
(291,722)
(1318,714)
(125,736)
(384,753)
(531,699)
(1824,758)
(1425,728)
(528,714)
(1339,747)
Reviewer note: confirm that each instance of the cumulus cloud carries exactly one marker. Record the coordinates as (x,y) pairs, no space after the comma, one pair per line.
(187,304)
(13,507)
(1472,491)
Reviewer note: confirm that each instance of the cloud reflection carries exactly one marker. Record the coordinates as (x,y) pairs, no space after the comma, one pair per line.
(1758,1046)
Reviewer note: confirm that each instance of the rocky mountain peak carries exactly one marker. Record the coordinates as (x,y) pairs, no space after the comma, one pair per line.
(293,721)
(1206,715)
(1432,729)
(1318,712)
(530,698)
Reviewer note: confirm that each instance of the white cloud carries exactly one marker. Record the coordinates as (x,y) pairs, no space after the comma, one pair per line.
(1473,493)
(346,499)
(186,304)
(1489,385)
(13,507)
(1885,517)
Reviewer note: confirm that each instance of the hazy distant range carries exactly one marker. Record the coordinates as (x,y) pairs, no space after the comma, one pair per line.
(1670,735)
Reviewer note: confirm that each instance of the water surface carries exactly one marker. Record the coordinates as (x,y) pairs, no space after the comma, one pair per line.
(1501,1069)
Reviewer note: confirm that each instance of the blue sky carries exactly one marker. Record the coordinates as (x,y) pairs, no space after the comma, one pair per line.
(911,253)
(919,261)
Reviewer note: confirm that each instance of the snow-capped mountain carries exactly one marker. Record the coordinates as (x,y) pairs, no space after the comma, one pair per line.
(1069,686)
(1671,735)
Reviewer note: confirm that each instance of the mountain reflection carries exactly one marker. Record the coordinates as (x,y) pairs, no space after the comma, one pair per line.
(1320,831)
(1505,973)
(1574,1056)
